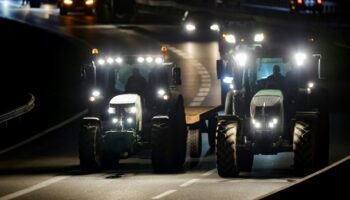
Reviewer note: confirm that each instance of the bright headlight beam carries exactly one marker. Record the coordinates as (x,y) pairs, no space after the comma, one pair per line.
(159,60)
(300,58)
(214,27)
(190,27)
(118,60)
(259,37)
(101,61)
(310,84)
(129,120)
(161,92)
(230,38)
(115,120)
(96,93)
(241,59)
(140,59)
(228,80)
(149,59)
(110,60)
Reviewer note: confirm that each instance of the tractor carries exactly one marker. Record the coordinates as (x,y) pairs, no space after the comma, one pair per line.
(264,119)
(121,121)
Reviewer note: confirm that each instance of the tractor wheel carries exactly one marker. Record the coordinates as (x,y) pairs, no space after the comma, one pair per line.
(90,146)
(309,144)
(212,124)
(195,143)
(226,148)
(169,139)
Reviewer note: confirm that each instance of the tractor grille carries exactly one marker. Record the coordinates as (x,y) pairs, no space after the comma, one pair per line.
(266,101)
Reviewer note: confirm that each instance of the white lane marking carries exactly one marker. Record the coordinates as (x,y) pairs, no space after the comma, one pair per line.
(166,193)
(204,90)
(210,172)
(202,94)
(33,188)
(190,182)
(259,180)
(43,132)
(193,104)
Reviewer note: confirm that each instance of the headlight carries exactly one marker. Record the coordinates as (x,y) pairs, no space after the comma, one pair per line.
(111,110)
(101,61)
(119,60)
(300,58)
(214,27)
(228,80)
(89,2)
(256,123)
(241,59)
(110,60)
(149,59)
(96,94)
(259,37)
(190,27)
(161,92)
(68,2)
(115,120)
(140,59)
(273,123)
(230,38)
(133,109)
(129,120)
(159,60)
(310,85)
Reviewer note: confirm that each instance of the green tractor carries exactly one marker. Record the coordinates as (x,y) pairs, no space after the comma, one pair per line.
(121,121)
(266,119)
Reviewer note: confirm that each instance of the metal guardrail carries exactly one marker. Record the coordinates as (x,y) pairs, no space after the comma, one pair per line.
(18,111)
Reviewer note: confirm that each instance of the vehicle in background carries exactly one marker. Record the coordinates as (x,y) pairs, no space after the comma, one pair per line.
(235,33)
(313,5)
(200,23)
(86,6)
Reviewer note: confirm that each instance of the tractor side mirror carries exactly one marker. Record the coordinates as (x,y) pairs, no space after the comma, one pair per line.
(176,73)
(219,69)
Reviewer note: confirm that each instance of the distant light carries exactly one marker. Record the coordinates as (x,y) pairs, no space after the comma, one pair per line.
(271,125)
(92,99)
(259,37)
(149,59)
(228,79)
(119,60)
(159,60)
(96,93)
(214,27)
(101,61)
(110,60)
(231,86)
(68,2)
(300,58)
(230,38)
(161,92)
(129,120)
(89,2)
(275,120)
(310,84)
(190,27)
(140,59)
(115,120)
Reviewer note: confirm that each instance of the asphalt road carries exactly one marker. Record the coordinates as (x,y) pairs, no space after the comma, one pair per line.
(47,168)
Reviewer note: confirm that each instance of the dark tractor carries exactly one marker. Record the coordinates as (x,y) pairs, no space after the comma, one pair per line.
(128,114)
(265,118)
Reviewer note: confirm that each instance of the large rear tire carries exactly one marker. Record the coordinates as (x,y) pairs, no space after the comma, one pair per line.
(195,142)
(169,136)
(310,143)
(90,141)
(226,148)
